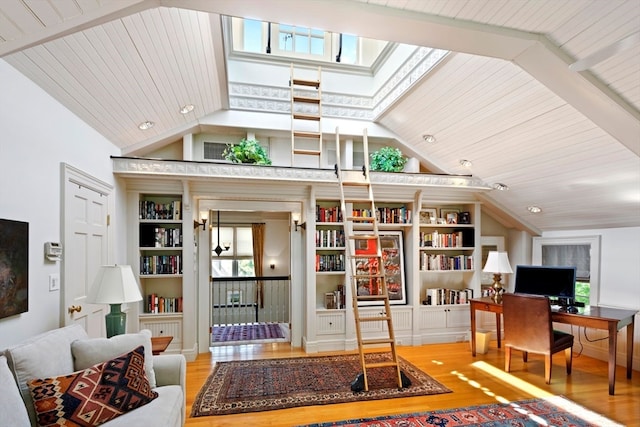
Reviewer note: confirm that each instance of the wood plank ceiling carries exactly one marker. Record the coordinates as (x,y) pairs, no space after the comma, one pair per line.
(504,99)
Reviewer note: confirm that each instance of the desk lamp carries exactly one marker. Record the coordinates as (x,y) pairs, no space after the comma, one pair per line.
(497,263)
(115,285)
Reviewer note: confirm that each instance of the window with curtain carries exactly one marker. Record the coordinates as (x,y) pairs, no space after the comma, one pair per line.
(237,261)
(582,253)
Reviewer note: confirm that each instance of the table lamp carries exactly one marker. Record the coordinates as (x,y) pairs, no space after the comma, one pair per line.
(115,285)
(497,263)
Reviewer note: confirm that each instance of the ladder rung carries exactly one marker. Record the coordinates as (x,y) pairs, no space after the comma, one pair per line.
(301,134)
(374,319)
(367,276)
(363,236)
(306,99)
(381,364)
(300,116)
(302,82)
(378,341)
(361,218)
(307,152)
(356,184)
(358,201)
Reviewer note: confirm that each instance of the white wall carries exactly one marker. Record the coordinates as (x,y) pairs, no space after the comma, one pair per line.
(37,134)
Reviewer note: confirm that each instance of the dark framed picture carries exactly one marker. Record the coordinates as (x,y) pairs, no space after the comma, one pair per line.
(464,218)
(14,267)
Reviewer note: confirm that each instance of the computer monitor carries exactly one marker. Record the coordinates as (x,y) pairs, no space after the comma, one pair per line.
(553,282)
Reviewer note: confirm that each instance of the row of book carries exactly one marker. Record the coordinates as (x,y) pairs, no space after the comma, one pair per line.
(330,262)
(441,240)
(386,215)
(441,296)
(148,209)
(336,299)
(167,237)
(159,304)
(330,238)
(437,262)
(160,264)
(332,214)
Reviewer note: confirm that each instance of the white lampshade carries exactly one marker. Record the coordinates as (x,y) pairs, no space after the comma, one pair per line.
(114,284)
(497,262)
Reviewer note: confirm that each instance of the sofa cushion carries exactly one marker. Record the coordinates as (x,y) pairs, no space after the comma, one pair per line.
(95,395)
(88,352)
(165,411)
(44,355)
(12,407)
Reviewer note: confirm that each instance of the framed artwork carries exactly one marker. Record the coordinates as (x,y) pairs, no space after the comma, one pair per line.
(14,267)
(393,265)
(234,297)
(450,216)
(428,216)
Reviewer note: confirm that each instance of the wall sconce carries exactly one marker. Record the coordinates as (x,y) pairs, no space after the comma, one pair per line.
(296,222)
(272,265)
(197,224)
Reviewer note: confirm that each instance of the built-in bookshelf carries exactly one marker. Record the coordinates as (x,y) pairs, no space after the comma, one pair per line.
(330,262)
(160,252)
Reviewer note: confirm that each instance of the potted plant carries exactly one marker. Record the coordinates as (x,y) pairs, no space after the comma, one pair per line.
(247,151)
(388,159)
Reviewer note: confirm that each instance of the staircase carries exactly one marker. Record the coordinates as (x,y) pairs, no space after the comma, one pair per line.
(364,256)
(306,116)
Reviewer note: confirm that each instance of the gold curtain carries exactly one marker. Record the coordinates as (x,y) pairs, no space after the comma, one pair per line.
(257,231)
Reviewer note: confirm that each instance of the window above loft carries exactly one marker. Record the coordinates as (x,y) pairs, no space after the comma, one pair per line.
(291,41)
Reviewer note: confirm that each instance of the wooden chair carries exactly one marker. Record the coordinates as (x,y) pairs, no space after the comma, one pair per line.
(528,328)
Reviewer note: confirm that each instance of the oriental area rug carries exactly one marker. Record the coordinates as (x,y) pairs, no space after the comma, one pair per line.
(263,385)
(554,411)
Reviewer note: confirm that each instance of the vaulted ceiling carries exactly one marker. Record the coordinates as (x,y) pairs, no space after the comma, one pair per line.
(504,98)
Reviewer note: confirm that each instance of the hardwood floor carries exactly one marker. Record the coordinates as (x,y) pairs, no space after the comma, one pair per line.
(474,381)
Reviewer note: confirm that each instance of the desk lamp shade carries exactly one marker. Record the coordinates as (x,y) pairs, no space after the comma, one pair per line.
(115,285)
(497,263)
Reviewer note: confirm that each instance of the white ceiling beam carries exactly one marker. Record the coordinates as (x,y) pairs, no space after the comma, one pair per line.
(108,11)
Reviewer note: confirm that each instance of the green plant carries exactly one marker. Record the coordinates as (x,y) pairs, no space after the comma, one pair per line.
(247,151)
(388,159)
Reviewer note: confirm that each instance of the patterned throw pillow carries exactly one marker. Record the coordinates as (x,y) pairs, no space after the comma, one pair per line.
(95,395)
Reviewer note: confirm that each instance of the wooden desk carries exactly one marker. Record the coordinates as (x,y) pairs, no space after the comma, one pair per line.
(160,344)
(609,319)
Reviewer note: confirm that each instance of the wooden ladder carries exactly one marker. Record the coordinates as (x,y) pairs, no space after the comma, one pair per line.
(364,257)
(306,117)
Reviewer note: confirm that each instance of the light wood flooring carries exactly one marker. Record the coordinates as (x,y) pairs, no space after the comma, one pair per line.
(474,381)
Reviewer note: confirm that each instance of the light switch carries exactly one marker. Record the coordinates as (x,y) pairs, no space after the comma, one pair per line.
(54,282)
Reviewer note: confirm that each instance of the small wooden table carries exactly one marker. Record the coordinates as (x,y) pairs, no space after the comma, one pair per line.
(605,318)
(160,344)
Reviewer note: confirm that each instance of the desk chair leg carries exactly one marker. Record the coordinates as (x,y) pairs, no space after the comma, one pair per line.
(568,354)
(548,363)
(525,356)
(507,359)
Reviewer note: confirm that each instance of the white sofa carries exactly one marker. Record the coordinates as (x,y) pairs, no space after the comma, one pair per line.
(66,350)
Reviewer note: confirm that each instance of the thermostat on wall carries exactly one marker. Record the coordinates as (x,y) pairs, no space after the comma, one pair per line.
(53,251)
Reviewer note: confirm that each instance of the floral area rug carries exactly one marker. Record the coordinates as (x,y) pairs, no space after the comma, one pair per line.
(262,385)
(554,411)
(245,332)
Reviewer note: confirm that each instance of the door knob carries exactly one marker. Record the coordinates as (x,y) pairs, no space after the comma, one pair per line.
(75,308)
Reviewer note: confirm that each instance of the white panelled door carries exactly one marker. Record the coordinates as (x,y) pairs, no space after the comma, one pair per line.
(86,247)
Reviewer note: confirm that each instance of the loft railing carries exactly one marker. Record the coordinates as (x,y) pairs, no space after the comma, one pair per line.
(236,300)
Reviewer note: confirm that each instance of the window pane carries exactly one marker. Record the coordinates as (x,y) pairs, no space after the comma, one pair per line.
(252,35)
(349,49)
(221,267)
(245,242)
(302,44)
(285,41)
(245,268)
(226,238)
(317,46)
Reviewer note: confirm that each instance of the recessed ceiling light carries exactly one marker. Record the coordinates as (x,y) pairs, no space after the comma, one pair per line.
(429,138)
(534,209)
(146,125)
(186,109)
(500,186)
(466,163)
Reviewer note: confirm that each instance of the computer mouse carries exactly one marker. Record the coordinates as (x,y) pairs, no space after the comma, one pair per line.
(572,309)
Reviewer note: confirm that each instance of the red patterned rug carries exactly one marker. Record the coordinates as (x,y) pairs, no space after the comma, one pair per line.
(262,385)
(246,332)
(554,411)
